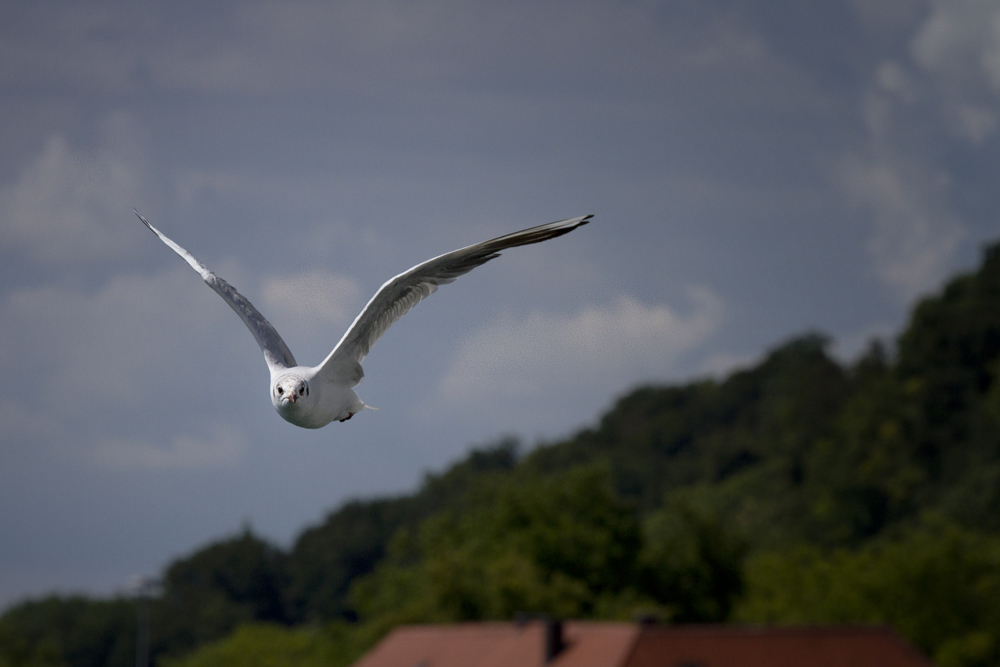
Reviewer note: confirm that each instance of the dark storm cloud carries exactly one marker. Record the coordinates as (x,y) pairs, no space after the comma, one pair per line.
(758,169)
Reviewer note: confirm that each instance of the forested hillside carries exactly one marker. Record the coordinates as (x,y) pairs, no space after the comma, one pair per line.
(800,490)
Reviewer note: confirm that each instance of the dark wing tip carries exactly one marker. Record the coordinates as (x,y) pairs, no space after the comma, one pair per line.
(581,221)
(572,223)
(144,221)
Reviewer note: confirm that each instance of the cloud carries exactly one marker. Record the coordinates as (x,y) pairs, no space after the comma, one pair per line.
(893,78)
(961,39)
(221,449)
(958,49)
(722,364)
(119,358)
(69,206)
(270,48)
(75,45)
(975,123)
(312,301)
(915,109)
(521,361)
(915,236)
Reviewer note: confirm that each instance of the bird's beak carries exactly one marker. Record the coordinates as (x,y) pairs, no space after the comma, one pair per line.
(291,397)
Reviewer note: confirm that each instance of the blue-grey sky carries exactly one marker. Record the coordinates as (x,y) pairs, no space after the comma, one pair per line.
(757,169)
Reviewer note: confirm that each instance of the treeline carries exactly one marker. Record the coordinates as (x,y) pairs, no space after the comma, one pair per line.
(801,490)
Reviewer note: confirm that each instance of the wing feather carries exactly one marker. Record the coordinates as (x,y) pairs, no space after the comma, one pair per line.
(397,296)
(276,353)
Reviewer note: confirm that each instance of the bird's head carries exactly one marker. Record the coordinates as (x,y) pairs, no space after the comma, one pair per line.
(288,390)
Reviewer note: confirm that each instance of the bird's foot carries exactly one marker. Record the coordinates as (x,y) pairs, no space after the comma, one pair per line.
(349,415)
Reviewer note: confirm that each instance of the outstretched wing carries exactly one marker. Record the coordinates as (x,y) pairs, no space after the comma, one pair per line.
(399,295)
(276,353)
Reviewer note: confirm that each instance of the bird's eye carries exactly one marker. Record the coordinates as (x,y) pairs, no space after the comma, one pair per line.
(280,390)
(302,390)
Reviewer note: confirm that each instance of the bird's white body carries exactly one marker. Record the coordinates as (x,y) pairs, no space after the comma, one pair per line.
(312,397)
(319,402)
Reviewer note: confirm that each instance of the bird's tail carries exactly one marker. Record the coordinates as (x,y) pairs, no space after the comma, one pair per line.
(360,405)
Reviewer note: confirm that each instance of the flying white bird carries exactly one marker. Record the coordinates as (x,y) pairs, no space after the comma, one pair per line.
(312,397)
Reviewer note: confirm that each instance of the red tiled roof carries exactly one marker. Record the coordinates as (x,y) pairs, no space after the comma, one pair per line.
(630,645)
(502,645)
(596,644)
(733,646)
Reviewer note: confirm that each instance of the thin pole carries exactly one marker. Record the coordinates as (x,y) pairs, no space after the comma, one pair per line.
(142,631)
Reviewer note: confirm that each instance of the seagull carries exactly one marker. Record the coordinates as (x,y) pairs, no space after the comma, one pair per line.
(312,397)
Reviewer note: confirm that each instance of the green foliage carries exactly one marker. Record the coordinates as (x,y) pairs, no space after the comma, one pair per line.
(243,570)
(938,585)
(553,545)
(55,631)
(352,540)
(867,473)
(205,597)
(220,587)
(947,359)
(823,472)
(748,438)
(692,562)
(269,645)
(327,558)
(563,545)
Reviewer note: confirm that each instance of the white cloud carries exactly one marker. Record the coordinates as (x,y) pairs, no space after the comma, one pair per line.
(70,206)
(267,47)
(273,47)
(958,47)
(892,78)
(914,112)
(520,362)
(238,184)
(975,123)
(110,338)
(961,38)
(312,301)
(887,15)
(915,236)
(221,449)
(127,357)
(76,45)
(722,364)
(877,111)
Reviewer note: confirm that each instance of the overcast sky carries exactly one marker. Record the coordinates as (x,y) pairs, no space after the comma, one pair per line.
(756,170)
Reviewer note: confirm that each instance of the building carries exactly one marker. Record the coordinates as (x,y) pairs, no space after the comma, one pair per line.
(542,643)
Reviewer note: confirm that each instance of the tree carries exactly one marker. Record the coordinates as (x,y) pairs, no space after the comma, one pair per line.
(270,645)
(210,593)
(352,540)
(937,584)
(691,562)
(564,545)
(71,631)
(947,358)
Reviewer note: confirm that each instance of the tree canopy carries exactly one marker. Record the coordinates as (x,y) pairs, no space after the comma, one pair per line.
(798,490)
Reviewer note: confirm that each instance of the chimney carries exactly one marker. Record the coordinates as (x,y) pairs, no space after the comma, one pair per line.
(552,629)
(553,639)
